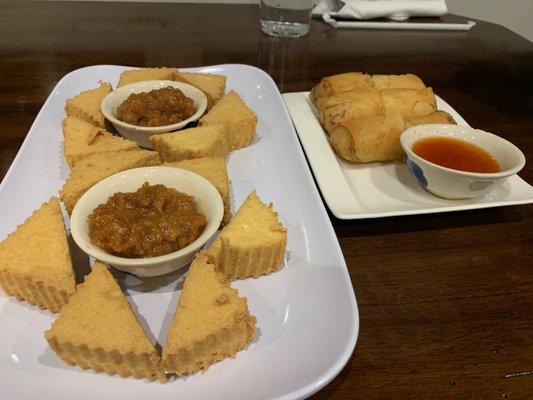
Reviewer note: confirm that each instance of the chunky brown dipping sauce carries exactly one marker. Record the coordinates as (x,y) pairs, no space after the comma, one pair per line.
(157,107)
(150,222)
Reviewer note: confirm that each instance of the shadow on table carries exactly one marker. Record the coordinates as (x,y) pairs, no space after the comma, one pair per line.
(428,222)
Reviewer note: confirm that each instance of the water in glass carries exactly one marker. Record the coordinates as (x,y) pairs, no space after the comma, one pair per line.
(286,17)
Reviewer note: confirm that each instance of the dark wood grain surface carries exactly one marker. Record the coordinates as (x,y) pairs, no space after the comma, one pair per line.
(445,300)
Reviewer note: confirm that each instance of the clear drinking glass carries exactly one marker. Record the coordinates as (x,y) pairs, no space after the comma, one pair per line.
(286,17)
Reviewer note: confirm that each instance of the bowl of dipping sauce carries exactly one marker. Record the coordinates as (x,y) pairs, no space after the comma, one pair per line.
(459,162)
(142,109)
(147,221)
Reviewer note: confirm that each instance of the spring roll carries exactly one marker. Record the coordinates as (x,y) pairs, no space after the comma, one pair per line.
(437,117)
(368,139)
(409,102)
(377,138)
(407,81)
(337,84)
(343,106)
(363,103)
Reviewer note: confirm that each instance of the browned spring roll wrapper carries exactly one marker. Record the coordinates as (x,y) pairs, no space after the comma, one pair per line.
(437,117)
(376,138)
(407,81)
(339,83)
(368,139)
(343,106)
(357,80)
(363,103)
(409,102)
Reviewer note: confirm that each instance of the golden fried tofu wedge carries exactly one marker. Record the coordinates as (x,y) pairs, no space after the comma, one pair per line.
(252,244)
(95,167)
(98,330)
(240,121)
(214,170)
(146,74)
(35,263)
(207,141)
(82,139)
(211,321)
(213,85)
(86,105)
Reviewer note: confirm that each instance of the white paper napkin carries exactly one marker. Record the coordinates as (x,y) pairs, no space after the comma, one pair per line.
(398,10)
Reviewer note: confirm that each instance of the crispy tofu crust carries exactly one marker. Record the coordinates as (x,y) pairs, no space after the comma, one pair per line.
(200,142)
(211,321)
(146,74)
(213,85)
(252,244)
(98,330)
(239,120)
(214,170)
(95,167)
(35,263)
(82,139)
(86,105)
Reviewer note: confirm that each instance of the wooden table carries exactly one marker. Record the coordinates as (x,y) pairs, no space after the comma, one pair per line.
(446,300)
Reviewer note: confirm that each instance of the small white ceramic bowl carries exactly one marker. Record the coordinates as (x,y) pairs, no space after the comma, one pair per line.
(454,184)
(141,134)
(206,195)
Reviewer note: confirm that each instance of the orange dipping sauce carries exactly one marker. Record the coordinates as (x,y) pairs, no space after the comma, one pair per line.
(456,154)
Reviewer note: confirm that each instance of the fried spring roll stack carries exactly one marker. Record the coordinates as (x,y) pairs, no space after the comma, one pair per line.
(364,115)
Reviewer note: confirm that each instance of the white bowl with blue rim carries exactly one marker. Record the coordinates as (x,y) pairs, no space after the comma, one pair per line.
(455,184)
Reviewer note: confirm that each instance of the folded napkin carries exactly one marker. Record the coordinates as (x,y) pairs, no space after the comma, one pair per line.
(398,10)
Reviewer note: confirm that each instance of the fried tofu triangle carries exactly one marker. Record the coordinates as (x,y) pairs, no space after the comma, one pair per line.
(199,142)
(211,321)
(82,139)
(239,120)
(213,85)
(146,74)
(97,330)
(214,170)
(93,168)
(252,244)
(86,105)
(35,263)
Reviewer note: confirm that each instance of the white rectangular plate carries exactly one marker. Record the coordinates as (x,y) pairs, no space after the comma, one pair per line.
(307,315)
(381,189)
